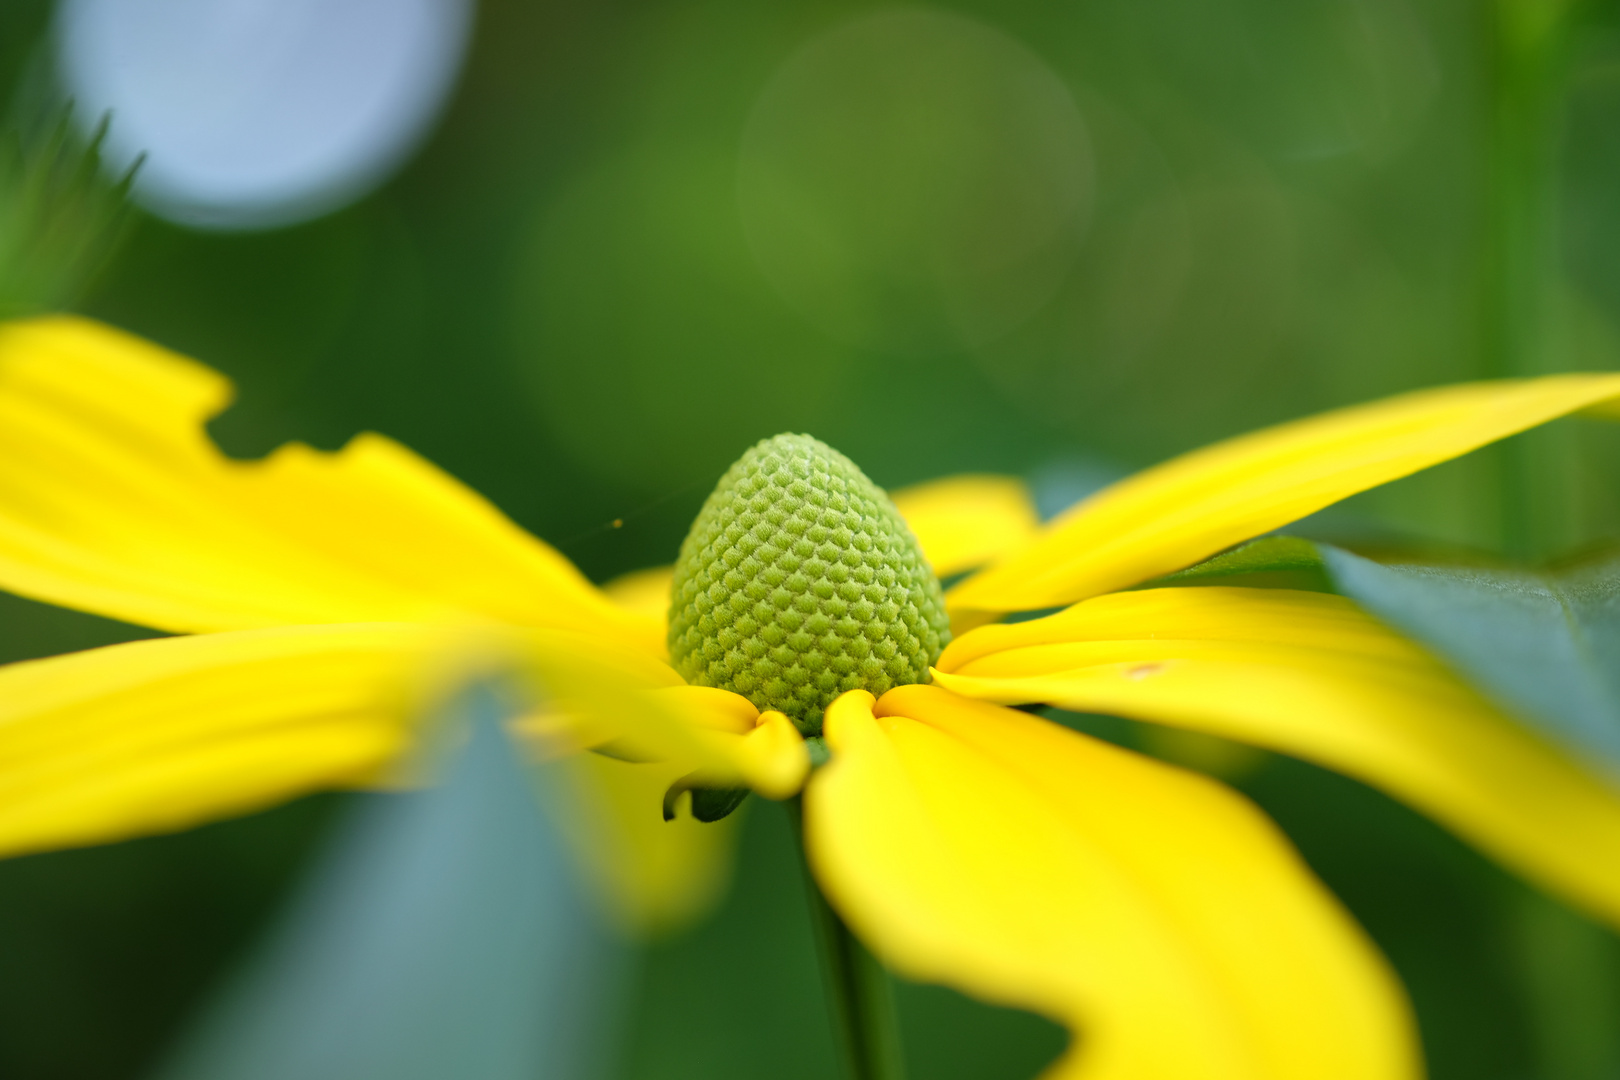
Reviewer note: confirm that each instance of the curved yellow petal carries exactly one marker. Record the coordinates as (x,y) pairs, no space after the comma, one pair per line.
(1155,913)
(154,736)
(658,875)
(762,751)
(1314,676)
(1195,505)
(963,522)
(114,500)
(713,709)
(718,736)
(655,876)
(773,757)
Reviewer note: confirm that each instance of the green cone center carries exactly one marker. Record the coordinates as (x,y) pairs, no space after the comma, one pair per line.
(800,581)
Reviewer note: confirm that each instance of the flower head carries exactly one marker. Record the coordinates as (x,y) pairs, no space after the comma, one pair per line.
(328,598)
(800,581)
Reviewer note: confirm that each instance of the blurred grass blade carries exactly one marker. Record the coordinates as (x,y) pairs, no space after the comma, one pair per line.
(1544,643)
(60,215)
(442,935)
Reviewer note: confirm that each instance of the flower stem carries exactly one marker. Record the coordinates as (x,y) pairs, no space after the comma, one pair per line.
(1569,967)
(1531,42)
(860,995)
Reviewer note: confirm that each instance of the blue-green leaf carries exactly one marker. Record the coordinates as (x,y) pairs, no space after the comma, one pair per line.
(1543,643)
(442,935)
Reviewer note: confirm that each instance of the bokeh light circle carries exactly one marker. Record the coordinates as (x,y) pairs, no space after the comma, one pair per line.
(915,181)
(257,113)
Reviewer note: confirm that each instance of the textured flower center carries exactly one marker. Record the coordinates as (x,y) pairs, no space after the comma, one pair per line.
(799,581)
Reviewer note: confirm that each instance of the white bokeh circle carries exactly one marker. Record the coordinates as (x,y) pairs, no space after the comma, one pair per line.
(257,113)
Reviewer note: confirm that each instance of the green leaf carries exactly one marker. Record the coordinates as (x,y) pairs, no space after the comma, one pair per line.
(1271,561)
(1269,553)
(1545,644)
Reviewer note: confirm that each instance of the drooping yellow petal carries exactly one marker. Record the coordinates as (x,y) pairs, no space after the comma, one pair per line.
(1314,676)
(642,713)
(161,735)
(1193,506)
(154,736)
(114,500)
(158,735)
(656,876)
(714,709)
(963,522)
(1155,913)
(773,757)
(744,747)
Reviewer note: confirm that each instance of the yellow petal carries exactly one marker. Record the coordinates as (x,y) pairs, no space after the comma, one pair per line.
(745,748)
(655,876)
(1313,676)
(714,709)
(963,522)
(589,703)
(773,757)
(1195,505)
(160,735)
(1155,913)
(646,594)
(114,500)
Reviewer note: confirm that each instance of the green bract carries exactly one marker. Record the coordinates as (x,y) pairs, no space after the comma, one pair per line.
(799,581)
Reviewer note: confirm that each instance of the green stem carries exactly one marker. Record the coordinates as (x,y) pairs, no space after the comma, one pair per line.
(1569,967)
(1531,42)
(860,995)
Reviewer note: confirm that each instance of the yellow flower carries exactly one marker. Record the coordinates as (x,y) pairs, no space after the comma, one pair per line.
(328,599)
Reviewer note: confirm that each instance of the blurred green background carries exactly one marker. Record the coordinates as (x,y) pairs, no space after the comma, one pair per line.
(988,237)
